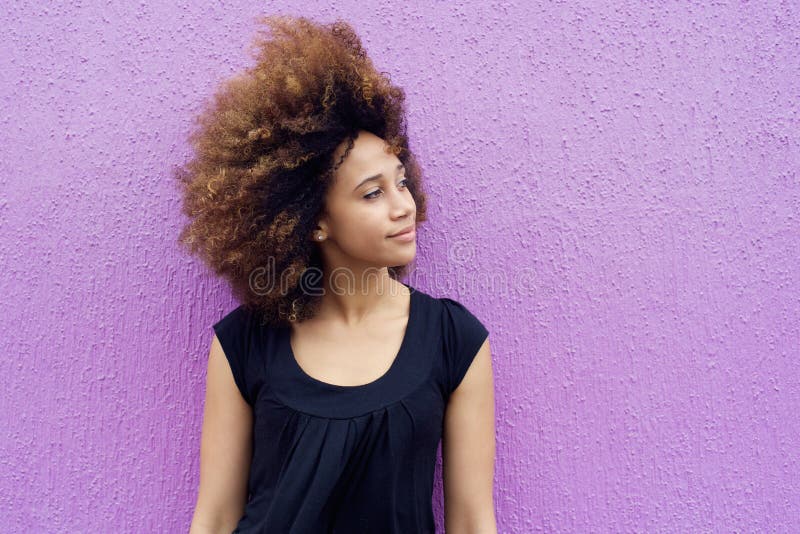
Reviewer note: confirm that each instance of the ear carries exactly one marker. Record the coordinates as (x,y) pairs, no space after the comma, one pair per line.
(322,225)
(321,229)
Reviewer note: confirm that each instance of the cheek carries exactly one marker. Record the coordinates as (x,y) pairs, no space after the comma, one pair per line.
(361,226)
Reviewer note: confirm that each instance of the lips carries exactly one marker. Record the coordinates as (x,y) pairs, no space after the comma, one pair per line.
(405,230)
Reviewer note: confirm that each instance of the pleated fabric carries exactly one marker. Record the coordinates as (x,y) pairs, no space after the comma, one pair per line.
(348,459)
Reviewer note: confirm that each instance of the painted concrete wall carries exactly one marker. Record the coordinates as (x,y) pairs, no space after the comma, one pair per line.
(614,192)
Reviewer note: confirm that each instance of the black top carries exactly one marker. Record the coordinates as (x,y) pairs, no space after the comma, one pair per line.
(348,459)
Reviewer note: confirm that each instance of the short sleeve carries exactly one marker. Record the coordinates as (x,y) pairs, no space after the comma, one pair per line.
(463,335)
(233,333)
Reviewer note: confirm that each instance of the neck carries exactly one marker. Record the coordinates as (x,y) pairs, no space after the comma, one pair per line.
(352,297)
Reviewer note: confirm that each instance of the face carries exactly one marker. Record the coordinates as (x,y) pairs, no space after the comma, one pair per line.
(361,213)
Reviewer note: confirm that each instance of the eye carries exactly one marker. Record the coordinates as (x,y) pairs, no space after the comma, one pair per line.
(373,194)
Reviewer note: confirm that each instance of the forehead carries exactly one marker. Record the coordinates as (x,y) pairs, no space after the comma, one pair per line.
(370,155)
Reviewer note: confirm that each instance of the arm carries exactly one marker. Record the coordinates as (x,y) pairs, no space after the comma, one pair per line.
(225,450)
(468,448)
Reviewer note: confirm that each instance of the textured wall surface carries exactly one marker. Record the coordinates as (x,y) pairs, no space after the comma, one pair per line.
(614,192)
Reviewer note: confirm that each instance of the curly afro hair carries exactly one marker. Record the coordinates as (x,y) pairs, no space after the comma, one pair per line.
(263,162)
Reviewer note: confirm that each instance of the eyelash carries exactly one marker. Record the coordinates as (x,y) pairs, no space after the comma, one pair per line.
(369,196)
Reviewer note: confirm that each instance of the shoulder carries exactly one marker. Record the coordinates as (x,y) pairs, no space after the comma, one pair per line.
(449,310)
(238,318)
(459,314)
(451,305)
(234,316)
(238,335)
(236,329)
(463,334)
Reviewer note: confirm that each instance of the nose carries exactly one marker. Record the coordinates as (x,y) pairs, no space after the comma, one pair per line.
(402,204)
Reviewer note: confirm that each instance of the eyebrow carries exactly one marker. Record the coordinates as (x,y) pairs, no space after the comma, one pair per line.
(376,176)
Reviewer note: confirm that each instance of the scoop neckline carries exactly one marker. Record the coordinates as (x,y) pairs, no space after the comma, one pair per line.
(396,362)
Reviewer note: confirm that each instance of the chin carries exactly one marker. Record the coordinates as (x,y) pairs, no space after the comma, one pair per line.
(406,258)
(397,259)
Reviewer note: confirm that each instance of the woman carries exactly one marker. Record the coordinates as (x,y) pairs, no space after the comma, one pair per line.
(329,388)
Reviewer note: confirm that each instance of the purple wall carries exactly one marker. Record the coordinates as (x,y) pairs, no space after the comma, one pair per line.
(614,191)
